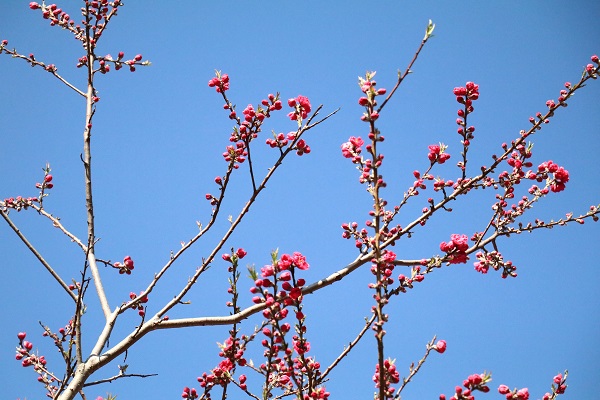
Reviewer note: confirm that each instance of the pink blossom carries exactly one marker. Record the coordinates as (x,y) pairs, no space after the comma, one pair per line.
(460,241)
(523,394)
(301,346)
(503,389)
(352,147)
(302,107)
(241,253)
(558,379)
(267,271)
(440,346)
(220,82)
(300,261)
(437,154)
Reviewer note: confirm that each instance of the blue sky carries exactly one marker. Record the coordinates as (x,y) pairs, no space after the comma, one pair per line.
(160,132)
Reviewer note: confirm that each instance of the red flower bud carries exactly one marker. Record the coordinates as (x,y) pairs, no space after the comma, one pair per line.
(440,346)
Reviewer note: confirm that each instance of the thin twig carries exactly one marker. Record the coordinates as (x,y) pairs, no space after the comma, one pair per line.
(402,76)
(350,346)
(34,63)
(119,376)
(413,371)
(57,224)
(38,255)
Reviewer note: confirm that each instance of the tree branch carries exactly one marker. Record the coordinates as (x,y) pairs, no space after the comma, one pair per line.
(38,255)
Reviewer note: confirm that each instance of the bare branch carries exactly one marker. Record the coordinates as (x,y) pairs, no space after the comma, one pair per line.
(119,376)
(38,255)
(350,346)
(49,68)
(57,224)
(414,370)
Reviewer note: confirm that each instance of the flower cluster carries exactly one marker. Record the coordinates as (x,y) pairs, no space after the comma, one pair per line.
(139,305)
(560,175)
(63,333)
(99,12)
(189,394)
(465,95)
(494,260)
(475,382)
(19,203)
(232,349)
(23,203)
(301,106)
(24,348)
(516,394)
(361,236)
(280,270)
(384,268)
(590,69)
(212,199)
(105,61)
(518,159)
(456,249)
(560,388)
(407,283)
(352,148)
(440,184)
(29,359)
(233,258)
(55,15)
(235,154)
(419,183)
(437,153)
(302,147)
(368,87)
(280,140)
(125,267)
(220,82)
(46,184)
(390,376)
(221,375)
(317,394)
(279,289)
(96,14)
(247,129)
(251,122)
(252,119)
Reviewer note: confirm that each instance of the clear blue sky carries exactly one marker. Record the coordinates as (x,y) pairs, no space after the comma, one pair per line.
(159,135)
